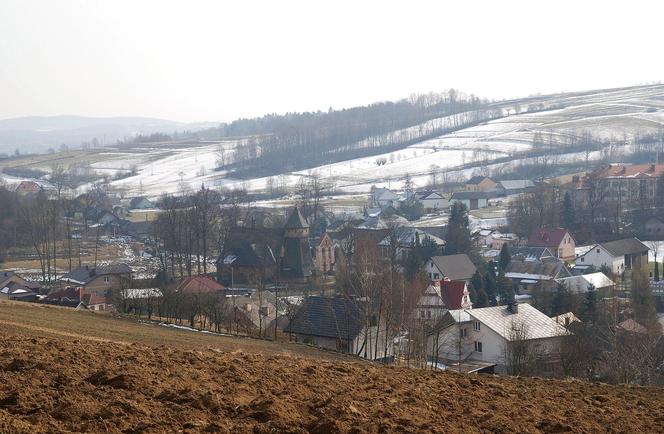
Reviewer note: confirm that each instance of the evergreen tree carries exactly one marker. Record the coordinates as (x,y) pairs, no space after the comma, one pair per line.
(642,300)
(458,232)
(589,312)
(561,301)
(481,299)
(505,257)
(567,212)
(656,271)
(505,289)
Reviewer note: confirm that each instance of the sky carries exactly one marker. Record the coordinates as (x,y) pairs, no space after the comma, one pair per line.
(221,60)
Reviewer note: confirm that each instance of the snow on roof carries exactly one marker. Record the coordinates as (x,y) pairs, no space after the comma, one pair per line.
(582,250)
(533,278)
(582,282)
(502,321)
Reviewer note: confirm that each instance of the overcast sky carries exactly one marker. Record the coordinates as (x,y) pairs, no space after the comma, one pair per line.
(216,61)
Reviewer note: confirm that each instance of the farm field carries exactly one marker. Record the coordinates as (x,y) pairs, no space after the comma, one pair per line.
(66,371)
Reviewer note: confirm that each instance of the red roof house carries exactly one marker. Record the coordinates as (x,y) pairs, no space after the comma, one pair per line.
(558,240)
(199,285)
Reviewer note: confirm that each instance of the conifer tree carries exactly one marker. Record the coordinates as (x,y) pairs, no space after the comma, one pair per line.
(505,257)
(567,212)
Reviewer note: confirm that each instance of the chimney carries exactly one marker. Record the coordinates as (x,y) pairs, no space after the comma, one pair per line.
(513,307)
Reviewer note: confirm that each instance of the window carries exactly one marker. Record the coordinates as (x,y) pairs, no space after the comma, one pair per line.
(428,314)
(476,325)
(436,276)
(478,346)
(463,332)
(597,250)
(583,259)
(107,279)
(421,314)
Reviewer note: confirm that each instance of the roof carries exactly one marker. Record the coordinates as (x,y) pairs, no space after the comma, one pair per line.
(535,269)
(630,325)
(566,318)
(477,179)
(430,195)
(198,285)
(452,293)
(136,293)
(546,237)
(383,222)
(296,220)
(455,267)
(516,184)
(296,259)
(502,321)
(467,195)
(628,246)
(581,282)
(530,252)
(83,275)
(90,299)
(335,317)
(384,194)
(630,171)
(407,236)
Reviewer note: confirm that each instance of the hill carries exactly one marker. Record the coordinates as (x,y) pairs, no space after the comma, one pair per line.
(54,382)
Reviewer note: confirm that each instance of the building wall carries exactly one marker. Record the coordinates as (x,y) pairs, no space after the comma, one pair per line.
(435,204)
(598,256)
(566,249)
(100,285)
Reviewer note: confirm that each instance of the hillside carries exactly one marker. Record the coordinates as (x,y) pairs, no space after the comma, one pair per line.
(55,382)
(568,128)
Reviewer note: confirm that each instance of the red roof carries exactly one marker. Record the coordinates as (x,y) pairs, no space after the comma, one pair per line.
(93,299)
(452,293)
(546,237)
(630,171)
(198,285)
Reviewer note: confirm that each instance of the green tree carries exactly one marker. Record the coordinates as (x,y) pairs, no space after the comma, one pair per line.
(480,298)
(567,212)
(490,283)
(589,311)
(505,257)
(458,231)
(561,302)
(656,271)
(642,300)
(505,289)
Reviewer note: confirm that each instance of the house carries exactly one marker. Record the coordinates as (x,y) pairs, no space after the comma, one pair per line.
(106,217)
(17,292)
(526,274)
(196,285)
(405,239)
(566,319)
(439,297)
(629,184)
(471,199)
(451,267)
(480,183)
(338,323)
(254,313)
(583,282)
(654,228)
(13,280)
(324,252)
(383,197)
(141,203)
(514,186)
(499,239)
(558,240)
(488,336)
(100,280)
(618,256)
(77,298)
(28,187)
(433,201)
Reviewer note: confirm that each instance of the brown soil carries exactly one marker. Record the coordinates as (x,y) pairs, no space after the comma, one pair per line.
(63,383)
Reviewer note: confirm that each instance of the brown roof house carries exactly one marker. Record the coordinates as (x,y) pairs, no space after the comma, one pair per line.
(558,240)
(480,183)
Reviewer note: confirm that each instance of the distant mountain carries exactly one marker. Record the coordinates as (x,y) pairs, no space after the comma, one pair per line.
(38,133)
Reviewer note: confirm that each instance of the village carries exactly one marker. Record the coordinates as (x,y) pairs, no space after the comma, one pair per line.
(546,277)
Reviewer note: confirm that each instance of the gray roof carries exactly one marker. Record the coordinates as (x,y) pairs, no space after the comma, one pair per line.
(296,221)
(550,268)
(581,283)
(628,246)
(530,252)
(516,184)
(455,267)
(406,237)
(476,179)
(467,195)
(327,317)
(502,321)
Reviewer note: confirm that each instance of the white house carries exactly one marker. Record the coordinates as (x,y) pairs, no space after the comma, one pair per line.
(618,255)
(383,197)
(581,283)
(433,201)
(439,297)
(471,199)
(488,335)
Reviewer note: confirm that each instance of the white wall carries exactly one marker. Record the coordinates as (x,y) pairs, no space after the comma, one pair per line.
(596,259)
